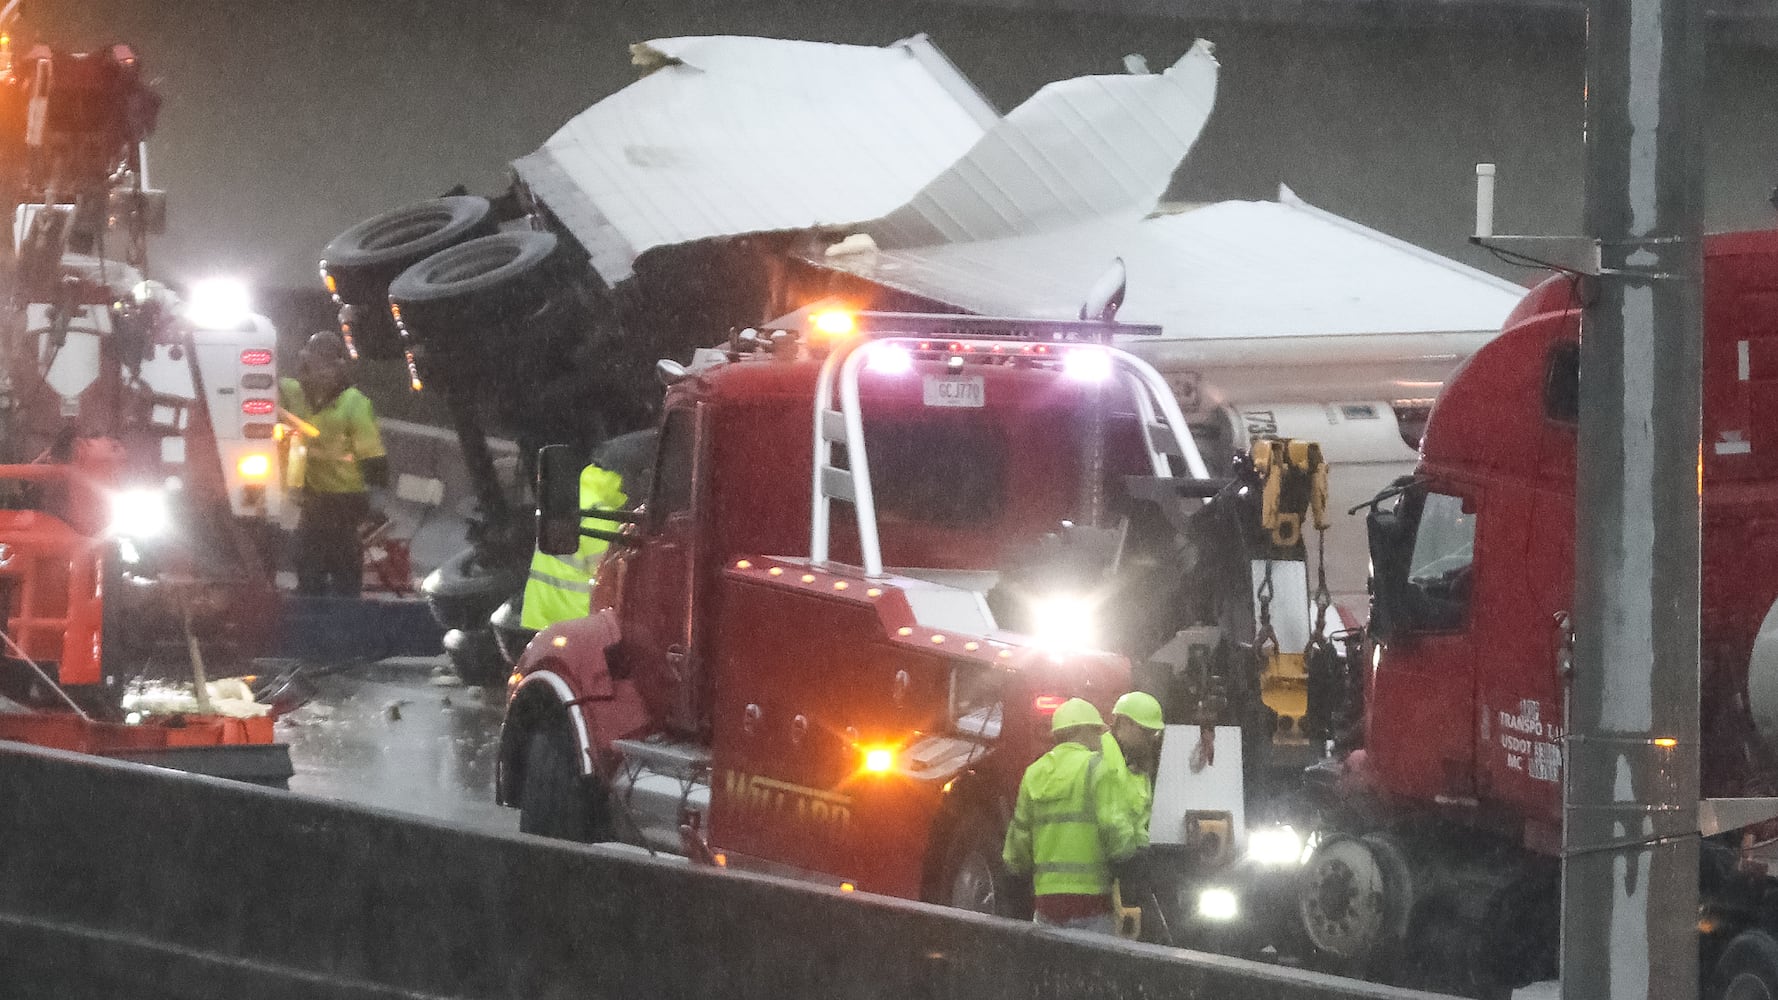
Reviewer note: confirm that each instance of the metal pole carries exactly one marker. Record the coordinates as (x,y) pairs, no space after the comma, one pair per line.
(1630,843)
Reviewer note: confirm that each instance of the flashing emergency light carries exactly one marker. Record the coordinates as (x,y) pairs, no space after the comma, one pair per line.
(890,360)
(219,304)
(254,465)
(835,323)
(258,407)
(256,356)
(1046,704)
(1086,364)
(879,760)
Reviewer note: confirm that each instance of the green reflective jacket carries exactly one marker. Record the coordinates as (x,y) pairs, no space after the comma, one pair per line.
(1138,789)
(1069,826)
(561,587)
(328,442)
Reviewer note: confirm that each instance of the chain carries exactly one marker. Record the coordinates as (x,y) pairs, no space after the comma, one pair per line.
(1323,597)
(1265,637)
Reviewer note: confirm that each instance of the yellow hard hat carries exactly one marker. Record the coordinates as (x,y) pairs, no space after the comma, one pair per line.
(1141,708)
(1076,712)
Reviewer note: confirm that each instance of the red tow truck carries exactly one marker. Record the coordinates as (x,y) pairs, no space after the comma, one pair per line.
(836,661)
(1438,837)
(136,443)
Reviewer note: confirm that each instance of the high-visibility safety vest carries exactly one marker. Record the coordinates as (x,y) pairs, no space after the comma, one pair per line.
(328,443)
(561,587)
(1068,826)
(1138,789)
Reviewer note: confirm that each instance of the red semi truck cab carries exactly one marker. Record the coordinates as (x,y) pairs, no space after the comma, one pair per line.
(793,663)
(1449,817)
(1475,559)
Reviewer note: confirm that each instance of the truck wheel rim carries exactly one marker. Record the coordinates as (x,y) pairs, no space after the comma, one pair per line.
(1344,900)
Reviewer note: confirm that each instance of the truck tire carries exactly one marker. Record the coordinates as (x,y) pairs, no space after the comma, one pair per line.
(556,800)
(972,876)
(1747,970)
(455,301)
(1354,901)
(363,260)
(466,588)
(475,657)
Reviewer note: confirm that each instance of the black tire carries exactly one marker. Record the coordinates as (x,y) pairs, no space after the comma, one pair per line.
(475,657)
(972,876)
(556,800)
(1747,970)
(455,300)
(466,589)
(364,259)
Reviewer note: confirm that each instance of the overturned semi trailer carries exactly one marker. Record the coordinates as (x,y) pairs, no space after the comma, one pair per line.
(742,179)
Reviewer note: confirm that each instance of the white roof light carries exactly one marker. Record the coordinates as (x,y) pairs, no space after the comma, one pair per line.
(219,304)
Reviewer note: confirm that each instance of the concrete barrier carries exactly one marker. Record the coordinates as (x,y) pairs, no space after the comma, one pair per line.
(124,881)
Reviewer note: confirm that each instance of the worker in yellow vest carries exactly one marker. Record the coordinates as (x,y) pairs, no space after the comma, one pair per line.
(1132,750)
(1071,825)
(561,587)
(335,459)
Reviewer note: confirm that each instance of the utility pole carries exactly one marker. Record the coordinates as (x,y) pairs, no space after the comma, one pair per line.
(1630,842)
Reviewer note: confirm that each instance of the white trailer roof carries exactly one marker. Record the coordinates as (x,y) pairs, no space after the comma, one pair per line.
(730,135)
(1228,270)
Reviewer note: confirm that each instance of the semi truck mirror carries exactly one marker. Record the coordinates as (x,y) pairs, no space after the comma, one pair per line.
(558,500)
(1388,571)
(669,372)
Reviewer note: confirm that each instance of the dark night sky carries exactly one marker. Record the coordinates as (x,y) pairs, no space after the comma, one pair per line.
(285,122)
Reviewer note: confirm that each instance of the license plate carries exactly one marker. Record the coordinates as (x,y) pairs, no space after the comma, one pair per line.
(955,390)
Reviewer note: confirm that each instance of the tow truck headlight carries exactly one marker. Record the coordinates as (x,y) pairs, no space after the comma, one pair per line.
(1275,845)
(1065,621)
(219,304)
(139,513)
(1218,904)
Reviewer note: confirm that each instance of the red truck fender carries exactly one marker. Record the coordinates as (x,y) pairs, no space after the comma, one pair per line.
(565,669)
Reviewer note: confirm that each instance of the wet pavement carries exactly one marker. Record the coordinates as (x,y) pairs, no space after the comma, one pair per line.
(392,736)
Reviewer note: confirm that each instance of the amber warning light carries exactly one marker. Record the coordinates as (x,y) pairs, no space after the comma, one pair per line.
(835,323)
(254,465)
(879,760)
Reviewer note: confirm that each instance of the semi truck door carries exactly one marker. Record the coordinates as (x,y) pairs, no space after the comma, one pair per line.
(658,628)
(1423,710)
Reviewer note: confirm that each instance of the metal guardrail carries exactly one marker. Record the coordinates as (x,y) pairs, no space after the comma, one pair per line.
(124,880)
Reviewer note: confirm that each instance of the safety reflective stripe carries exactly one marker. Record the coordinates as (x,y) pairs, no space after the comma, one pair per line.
(1067,868)
(584,565)
(577,586)
(1071,816)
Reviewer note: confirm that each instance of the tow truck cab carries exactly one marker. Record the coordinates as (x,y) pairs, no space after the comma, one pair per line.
(831,694)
